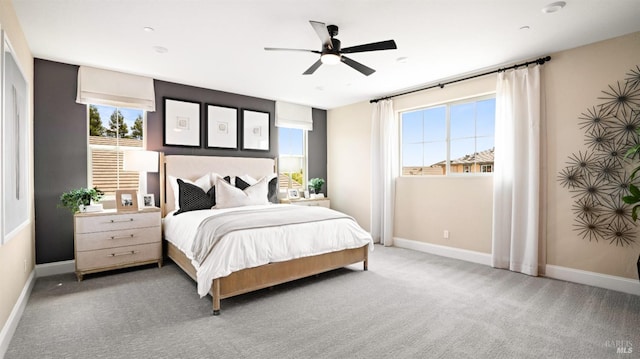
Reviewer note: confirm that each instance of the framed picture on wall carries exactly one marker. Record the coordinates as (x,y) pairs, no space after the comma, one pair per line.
(181,123)
(14,143)
(222,127)
(255,130)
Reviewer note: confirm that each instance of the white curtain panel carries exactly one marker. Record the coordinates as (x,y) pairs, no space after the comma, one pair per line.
(384,170)
(516,180)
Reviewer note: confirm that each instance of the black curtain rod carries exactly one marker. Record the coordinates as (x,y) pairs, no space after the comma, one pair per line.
(539,61)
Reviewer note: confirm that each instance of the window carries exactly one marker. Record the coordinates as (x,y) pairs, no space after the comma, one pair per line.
(292,160)
(112,131)
(486,168)
(453,138)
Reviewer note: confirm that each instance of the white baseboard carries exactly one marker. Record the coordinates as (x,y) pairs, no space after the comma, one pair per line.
(14,318)
(620,284)
(450,252)
(47,269)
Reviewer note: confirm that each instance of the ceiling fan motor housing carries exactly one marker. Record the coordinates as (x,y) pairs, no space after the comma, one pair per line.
(333,30)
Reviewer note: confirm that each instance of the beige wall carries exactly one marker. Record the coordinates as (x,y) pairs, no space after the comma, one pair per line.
(574,81)
(348,174)
(13,275)
(425,207)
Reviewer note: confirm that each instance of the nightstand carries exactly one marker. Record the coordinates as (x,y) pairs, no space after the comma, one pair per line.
(322,202)
(110,240)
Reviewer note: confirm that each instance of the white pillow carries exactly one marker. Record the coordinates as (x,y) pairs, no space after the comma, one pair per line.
(203,182)
(214,177)
(228,196)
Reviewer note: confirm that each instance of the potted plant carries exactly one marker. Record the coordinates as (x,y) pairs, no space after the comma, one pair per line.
(316,184)
(77,198)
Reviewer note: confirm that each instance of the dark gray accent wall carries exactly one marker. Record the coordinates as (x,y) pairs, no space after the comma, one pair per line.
(317,147)
(60,156)
(60,145)
(155,124)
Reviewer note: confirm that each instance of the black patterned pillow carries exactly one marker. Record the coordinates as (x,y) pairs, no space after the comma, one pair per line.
(193,198)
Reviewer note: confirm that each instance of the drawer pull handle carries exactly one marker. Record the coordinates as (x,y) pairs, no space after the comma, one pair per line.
(125,220)
(122,237)
(122,254)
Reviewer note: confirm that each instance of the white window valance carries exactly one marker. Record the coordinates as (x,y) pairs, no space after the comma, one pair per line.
(111,88)
(293,116)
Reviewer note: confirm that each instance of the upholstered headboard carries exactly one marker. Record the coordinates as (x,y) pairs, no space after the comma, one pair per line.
(193,167)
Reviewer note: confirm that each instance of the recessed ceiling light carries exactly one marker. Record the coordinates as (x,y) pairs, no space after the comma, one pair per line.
(554,7)
(160,49)
(149,29)
(525,27)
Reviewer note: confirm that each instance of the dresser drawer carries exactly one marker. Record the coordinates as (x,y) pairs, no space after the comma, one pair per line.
(116,221)
(313,203)
(111,239)
(115,257)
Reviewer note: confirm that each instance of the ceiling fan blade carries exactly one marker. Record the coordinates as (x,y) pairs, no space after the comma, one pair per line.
(357,66)
(285,49)
(323,33)
(374,46)
(313,68)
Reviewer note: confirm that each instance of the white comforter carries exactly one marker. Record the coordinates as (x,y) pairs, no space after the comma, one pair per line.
(255,247)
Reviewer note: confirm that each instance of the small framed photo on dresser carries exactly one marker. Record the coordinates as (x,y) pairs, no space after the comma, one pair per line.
(293,193)
(148,200)
(126,200)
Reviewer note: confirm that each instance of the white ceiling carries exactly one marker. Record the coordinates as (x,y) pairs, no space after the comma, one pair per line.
(218,44)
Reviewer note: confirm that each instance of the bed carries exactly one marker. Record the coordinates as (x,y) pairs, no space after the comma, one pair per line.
(240,260)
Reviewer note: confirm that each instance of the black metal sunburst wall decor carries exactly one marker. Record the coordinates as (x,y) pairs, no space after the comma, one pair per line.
(598,176)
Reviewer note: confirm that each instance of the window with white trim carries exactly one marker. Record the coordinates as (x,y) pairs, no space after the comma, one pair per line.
(112,131)
(292,158)
(450,138)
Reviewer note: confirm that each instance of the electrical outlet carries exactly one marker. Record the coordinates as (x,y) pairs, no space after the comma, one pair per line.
(445,235)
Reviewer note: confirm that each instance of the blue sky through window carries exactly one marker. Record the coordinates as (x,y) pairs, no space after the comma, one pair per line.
(290,141)
(424,132)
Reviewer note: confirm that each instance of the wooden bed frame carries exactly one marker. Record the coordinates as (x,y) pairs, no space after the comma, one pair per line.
(268,275)
(250,279)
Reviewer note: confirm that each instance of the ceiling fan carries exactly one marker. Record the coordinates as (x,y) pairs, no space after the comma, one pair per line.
(331,52)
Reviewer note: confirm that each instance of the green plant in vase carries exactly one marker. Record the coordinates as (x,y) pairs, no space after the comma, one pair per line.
(316,184)
(75,198)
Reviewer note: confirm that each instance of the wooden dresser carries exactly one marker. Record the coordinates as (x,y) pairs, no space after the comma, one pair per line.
(110,240)
(322,202)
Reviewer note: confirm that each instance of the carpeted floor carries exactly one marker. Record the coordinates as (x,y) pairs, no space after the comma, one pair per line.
(408,305)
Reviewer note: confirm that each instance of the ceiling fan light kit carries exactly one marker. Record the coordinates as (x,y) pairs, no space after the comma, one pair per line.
(330,59)
(332,53)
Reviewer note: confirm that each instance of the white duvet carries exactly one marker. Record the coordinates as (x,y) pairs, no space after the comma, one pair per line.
(255,247)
